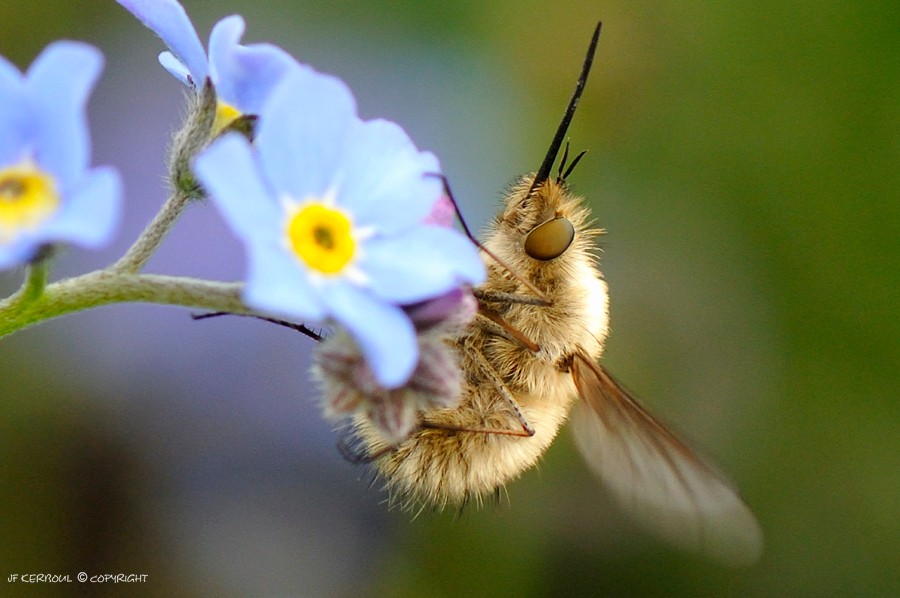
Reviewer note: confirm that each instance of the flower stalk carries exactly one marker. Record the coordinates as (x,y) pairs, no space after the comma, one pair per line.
(108,286)
(35,280)
(152,237)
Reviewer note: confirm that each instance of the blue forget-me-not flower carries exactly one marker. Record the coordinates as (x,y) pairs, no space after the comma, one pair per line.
(331,211)
(243,76)
(48,192)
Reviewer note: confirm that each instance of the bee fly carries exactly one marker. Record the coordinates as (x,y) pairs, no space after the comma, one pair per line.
(530,353)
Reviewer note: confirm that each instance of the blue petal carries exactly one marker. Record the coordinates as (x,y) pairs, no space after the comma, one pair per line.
(244,75)
(18,252)
(302,132)
(229,172)
(60,81)
(384,333)
(277,283)
(90,213)
(169,21)
(10,76)
(386,182)
(176,68)
(15,116)
(421,263)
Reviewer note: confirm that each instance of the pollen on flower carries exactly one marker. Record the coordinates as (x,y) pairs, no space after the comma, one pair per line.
(28,197)
(321,237)
(225,115)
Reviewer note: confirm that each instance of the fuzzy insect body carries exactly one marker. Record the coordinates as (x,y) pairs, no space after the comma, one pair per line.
(530,353)
(467,452)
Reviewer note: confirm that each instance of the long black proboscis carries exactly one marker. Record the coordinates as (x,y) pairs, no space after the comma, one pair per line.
(544,171)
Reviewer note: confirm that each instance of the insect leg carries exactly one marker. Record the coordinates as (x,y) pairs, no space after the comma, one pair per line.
(494,296)
(496,431)
(492,322)
(527,429)
(301,328)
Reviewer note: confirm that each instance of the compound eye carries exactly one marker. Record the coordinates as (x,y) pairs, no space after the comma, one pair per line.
(550,239)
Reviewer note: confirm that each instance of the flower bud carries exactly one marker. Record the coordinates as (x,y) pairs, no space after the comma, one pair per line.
(349,386)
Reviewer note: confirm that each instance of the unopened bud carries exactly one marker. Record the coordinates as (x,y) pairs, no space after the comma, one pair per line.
(349,386)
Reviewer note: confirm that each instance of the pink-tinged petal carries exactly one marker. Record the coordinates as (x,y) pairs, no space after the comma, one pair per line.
(452,310)
(442,213)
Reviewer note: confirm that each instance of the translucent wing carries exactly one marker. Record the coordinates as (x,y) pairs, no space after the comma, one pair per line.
(655,476)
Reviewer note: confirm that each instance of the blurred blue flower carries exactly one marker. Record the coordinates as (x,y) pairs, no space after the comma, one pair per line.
(48,193)
(331,211)
(243,76)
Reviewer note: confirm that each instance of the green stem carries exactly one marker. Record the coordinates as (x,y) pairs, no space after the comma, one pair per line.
(105,287)
(35,282)
(146,245)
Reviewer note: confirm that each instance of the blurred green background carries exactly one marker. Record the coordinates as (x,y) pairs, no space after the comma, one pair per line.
(745,160)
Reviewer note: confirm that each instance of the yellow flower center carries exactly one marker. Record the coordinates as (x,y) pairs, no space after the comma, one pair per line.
(27,198)
(322,237)
(225,115)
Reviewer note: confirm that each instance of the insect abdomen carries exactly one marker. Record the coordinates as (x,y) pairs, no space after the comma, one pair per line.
(444,467)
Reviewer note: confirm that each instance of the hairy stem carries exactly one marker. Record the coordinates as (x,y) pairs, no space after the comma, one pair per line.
(146,245)
(105,287)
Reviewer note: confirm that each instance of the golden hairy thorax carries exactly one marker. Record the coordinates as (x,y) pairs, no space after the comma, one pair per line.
(440,466)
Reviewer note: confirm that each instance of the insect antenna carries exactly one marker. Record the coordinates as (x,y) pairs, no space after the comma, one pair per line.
(562,173)
(562,163)
(544,171)
(301,328)
(571,167)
